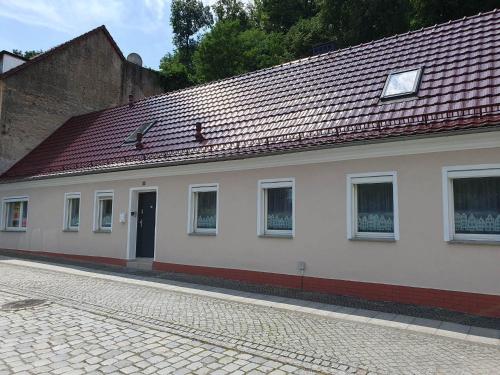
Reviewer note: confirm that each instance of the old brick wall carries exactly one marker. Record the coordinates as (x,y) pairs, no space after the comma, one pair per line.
(85,76)
(138,81)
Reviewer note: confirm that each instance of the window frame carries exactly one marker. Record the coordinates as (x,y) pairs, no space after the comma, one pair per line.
(5,220)
(352,212)
(66,215)
(263,185)
(193,209)
(414,90)
(101,195)
(458,172)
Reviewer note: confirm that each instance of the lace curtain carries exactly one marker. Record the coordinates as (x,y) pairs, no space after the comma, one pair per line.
(279,209)
(375,207)
(206,215)
(477,205)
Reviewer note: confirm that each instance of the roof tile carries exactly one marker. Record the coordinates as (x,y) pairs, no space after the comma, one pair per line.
(320,101)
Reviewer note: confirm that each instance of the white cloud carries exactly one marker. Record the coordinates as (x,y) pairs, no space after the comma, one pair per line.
(72,16)
(157,7)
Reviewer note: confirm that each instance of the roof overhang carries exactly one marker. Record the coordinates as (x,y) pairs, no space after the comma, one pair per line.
(408,145)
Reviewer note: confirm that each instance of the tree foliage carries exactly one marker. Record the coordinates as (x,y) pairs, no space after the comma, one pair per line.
(280,16)
(229,49)
(26,54)
(431,12)
(253,35)
(305,34)
(358,21)
(175,75)
(188,17)
(230,10)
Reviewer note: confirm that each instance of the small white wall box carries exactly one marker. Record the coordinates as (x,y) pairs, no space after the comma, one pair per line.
(123,217)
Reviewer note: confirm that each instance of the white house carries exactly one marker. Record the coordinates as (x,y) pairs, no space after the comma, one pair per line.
(372,171)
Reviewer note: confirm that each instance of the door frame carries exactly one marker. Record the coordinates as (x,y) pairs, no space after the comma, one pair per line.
(132,220)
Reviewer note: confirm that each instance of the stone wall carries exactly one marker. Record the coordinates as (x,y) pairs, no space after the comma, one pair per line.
(85,76)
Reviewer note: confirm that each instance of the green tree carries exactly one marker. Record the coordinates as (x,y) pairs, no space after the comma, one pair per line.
(174,74)
(188,17)
(262,50)
(279,15)
(304,35)
(268,32)
(359,21)
(228,50)
(26,54)
(230,10)
(218,53)
(431,12)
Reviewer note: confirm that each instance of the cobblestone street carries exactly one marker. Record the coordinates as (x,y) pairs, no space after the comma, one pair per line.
(53,339)
(101,323)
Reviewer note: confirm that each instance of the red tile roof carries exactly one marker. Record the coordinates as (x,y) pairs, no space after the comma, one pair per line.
(320,101)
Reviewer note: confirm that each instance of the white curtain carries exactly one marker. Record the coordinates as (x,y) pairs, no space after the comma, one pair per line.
(477,205)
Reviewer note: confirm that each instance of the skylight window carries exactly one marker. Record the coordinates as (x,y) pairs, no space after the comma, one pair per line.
(402,83)
(141,129)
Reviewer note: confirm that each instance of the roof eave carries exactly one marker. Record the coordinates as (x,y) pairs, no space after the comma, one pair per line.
(103,170)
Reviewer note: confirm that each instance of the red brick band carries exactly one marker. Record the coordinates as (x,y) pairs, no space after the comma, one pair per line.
(466,302)
(80,258)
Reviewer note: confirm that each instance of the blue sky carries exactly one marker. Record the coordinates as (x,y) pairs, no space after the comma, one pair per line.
(140,26)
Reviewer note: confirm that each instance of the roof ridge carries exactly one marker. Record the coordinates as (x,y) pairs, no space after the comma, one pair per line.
(287,63)
(62,46)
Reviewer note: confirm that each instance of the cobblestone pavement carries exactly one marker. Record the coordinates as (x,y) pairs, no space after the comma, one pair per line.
(310,341)
(53,339)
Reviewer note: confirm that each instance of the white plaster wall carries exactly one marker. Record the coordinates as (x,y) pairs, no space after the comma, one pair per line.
(420,258)
(8,62)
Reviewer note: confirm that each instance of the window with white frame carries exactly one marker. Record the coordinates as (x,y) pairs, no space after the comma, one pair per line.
(72,211)
(372,210)
(103,221)
(15,211)
(472,203)
(276,214)
(203,207)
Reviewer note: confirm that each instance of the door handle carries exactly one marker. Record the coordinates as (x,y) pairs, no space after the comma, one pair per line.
(140,222)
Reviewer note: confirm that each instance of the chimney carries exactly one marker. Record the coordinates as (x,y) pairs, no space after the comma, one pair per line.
(198,135)
(138,142)
(130,100)
(323,48)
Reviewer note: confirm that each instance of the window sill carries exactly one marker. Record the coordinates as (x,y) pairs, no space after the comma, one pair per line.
(209,234)
(373,239)
(474,242)
(14,230)
(276,235)
(70,230)
(102,230)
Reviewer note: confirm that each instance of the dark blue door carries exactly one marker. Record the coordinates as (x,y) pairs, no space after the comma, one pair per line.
(146,221)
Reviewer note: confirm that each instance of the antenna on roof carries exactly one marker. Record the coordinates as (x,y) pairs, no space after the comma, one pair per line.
(135,58)
(138,142)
